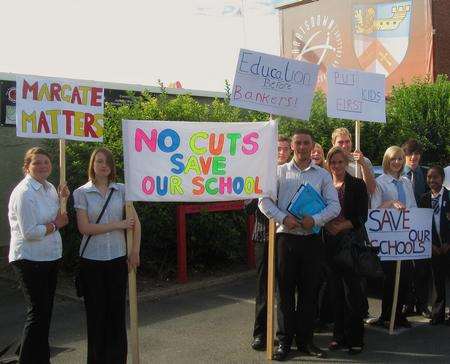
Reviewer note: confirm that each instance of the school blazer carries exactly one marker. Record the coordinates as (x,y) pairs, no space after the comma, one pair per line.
(356,201)
(425,202)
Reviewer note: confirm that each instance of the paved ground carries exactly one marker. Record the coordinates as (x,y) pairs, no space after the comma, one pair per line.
(213,326)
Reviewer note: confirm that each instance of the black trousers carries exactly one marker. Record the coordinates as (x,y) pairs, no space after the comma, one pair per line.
(38,282)
(441,270)
(260,327)
(105,292)
(389,268)
(349,308)
(298,265)
(418,288)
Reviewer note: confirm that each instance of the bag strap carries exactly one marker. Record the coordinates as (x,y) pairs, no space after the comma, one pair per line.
(98,220)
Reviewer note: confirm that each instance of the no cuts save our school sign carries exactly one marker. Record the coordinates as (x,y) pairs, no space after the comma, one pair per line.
(193,161)
(55,108)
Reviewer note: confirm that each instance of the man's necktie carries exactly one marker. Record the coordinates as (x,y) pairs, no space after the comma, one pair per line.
(400,191)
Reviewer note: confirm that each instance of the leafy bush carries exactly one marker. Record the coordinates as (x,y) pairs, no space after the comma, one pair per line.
(420,110)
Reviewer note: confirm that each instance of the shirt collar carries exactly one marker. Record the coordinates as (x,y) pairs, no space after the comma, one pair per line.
(90,187)
(439,194)
(311,165)
(34,183)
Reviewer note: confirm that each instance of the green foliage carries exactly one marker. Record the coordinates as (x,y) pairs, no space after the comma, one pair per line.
(420,110)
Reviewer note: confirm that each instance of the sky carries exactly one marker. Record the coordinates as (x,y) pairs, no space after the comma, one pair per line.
(195,42)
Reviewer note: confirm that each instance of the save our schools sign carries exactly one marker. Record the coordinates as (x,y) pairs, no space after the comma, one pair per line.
(199,161)
(401,234)
(275,85)
(56,108)
(356,95)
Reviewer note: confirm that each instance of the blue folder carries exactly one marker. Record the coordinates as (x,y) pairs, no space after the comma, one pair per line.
(306,201)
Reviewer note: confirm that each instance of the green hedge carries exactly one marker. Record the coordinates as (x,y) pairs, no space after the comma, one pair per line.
(216,240)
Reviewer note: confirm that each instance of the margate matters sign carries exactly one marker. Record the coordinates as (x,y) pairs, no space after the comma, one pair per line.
(391,37)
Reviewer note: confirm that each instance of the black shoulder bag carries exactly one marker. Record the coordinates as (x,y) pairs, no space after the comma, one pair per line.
(78,281)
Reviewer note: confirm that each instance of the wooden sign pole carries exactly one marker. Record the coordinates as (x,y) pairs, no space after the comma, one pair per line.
(357,144)
(395,299)
(270,290)
(62,172)
(132,294)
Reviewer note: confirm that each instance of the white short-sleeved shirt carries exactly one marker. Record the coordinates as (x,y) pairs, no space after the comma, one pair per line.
(110,245)
(351,168)
(386,191)
(31,206)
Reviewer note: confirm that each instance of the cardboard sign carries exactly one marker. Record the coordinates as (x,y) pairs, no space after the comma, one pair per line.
(58,109)
(401,235)
(199,161)
(275,85)
(356,95)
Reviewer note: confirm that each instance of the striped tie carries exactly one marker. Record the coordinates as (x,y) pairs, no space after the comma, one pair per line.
(435,205)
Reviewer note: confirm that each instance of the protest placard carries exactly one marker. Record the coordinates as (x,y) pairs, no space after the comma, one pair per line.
(275,85)
(56,108)
(193,161)
(401,234)
(356,95)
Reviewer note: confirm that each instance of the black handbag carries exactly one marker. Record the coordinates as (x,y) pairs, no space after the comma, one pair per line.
(77,280)
(357,255)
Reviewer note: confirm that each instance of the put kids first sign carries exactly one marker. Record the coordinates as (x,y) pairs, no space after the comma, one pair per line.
(275,85)
(199,161)
(356,95)
(58,109)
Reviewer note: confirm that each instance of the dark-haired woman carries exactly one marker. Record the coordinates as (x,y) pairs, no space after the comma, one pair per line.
(104,258)
(36,249)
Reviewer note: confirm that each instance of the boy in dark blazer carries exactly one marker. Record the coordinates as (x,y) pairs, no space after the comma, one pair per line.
(438,199)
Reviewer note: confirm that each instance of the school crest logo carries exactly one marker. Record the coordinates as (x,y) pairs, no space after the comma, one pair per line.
(317,39)
(381,35)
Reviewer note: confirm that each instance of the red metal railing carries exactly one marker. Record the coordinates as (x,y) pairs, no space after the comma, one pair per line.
(185,209)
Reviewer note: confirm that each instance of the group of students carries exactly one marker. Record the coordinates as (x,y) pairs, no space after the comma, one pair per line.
(36,250)
(305,261)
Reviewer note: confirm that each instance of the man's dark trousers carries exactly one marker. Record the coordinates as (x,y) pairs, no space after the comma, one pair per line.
(261,251)
(298,264)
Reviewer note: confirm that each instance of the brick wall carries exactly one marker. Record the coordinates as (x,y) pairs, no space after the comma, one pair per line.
(441,25)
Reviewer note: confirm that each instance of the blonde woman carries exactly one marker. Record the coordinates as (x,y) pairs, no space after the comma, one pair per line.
(393,191)
(103,267)
(317,155)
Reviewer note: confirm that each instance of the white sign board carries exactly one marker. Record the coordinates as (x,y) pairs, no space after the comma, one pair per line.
(275,85)
(401,235)
(199,161)
(54,108)
(356,95)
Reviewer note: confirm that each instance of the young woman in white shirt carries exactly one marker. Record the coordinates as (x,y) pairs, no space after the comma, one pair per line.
(36,249)
(394,191)
(104,260)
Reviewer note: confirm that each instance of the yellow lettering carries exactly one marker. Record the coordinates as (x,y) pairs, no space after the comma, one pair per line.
(97,125)
(78,124)
(84,94)
(54,119)
(44,91)
(65,97)
(29,118)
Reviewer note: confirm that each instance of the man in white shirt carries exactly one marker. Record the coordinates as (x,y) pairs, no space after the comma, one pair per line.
(341,137)
(298,249)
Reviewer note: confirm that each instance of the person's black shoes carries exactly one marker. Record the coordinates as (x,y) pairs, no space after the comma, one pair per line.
(259,343)
(312,350)
(281,352)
